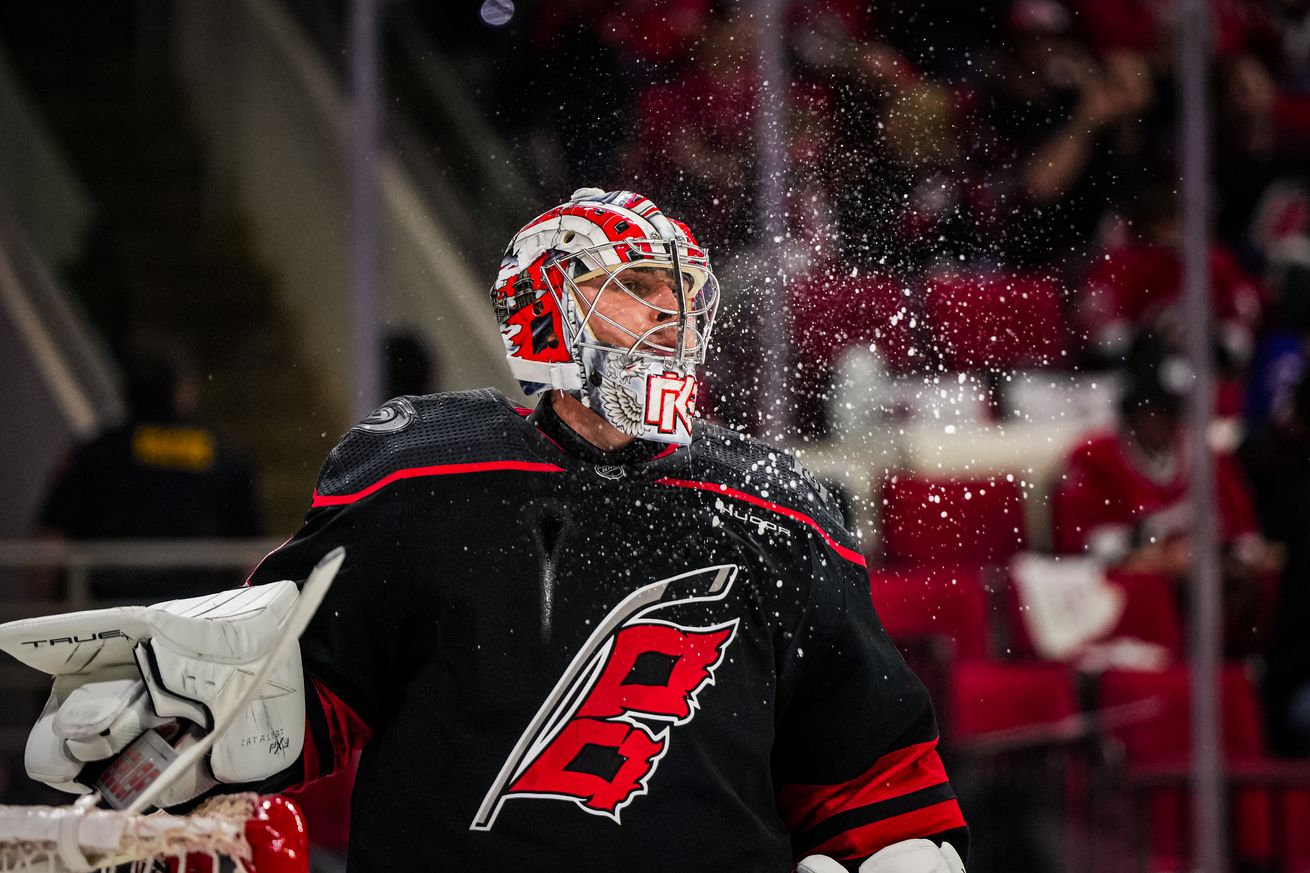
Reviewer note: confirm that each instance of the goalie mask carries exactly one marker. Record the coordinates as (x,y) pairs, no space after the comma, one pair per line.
(608,299)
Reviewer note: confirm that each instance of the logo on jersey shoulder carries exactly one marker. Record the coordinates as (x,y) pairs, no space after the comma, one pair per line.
(761,525)
(598,739)
(611,471)
(392,416)
(670,401)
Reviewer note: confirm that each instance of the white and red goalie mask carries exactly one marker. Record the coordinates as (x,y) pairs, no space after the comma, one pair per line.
(555,298)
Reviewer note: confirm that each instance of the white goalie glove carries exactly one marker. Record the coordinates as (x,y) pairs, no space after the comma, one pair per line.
(907,856)
(175,668)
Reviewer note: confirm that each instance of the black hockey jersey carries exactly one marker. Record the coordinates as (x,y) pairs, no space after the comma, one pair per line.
(557,659)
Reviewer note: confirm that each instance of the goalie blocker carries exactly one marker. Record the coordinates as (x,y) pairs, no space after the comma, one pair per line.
(177,670)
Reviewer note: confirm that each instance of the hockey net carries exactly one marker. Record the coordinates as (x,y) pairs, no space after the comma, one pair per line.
(241,832)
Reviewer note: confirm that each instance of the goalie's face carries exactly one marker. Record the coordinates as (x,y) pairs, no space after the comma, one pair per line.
(642,331)
(637,310)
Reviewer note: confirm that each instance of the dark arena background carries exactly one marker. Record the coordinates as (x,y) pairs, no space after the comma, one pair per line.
(1024,283)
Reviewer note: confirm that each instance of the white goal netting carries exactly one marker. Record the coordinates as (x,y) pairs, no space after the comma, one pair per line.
(251,834)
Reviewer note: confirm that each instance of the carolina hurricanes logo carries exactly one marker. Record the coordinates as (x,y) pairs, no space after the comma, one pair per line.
(670,401)
(592,742)
(392,416)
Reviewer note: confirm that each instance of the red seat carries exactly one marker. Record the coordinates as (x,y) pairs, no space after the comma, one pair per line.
(832,311)
(933,601)
(951,520)
(994,697)
(1271,820)
(1267,816)
(996,321)
(1166,737)
(973,695)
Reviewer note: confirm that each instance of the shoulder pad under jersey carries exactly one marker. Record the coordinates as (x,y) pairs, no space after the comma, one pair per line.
(411,433)
(755,468)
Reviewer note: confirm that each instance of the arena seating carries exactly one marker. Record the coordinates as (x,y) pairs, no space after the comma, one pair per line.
(996,321)
(976,694)
(831,311)
(947,602)
(998,696)
(1158,748)
(947,543)
(1166,739)
(927,521)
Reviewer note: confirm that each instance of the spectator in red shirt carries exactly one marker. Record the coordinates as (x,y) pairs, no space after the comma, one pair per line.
(1138,287)
(1123,496)
(160,474)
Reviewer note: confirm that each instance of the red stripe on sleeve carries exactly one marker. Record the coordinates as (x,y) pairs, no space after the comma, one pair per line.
(346,730)
(438,470)
(901,772)
(859,843)
(715,488)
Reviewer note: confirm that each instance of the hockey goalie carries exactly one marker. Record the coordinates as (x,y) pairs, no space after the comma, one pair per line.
(598,635)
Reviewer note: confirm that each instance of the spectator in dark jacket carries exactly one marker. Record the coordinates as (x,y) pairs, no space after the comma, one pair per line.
(158,475)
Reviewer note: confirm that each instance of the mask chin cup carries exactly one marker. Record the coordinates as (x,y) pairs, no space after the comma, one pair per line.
(648,398)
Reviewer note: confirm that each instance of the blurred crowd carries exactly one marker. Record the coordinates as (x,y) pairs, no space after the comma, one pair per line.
(1022,138)
(987,190)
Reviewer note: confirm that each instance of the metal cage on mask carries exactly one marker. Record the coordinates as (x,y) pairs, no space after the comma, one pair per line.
(550,300)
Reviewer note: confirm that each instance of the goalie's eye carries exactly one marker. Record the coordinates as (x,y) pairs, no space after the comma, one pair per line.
(644,287)
(648,283)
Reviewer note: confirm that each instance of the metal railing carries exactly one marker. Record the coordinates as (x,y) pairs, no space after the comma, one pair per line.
(1264,828)
(79,559)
